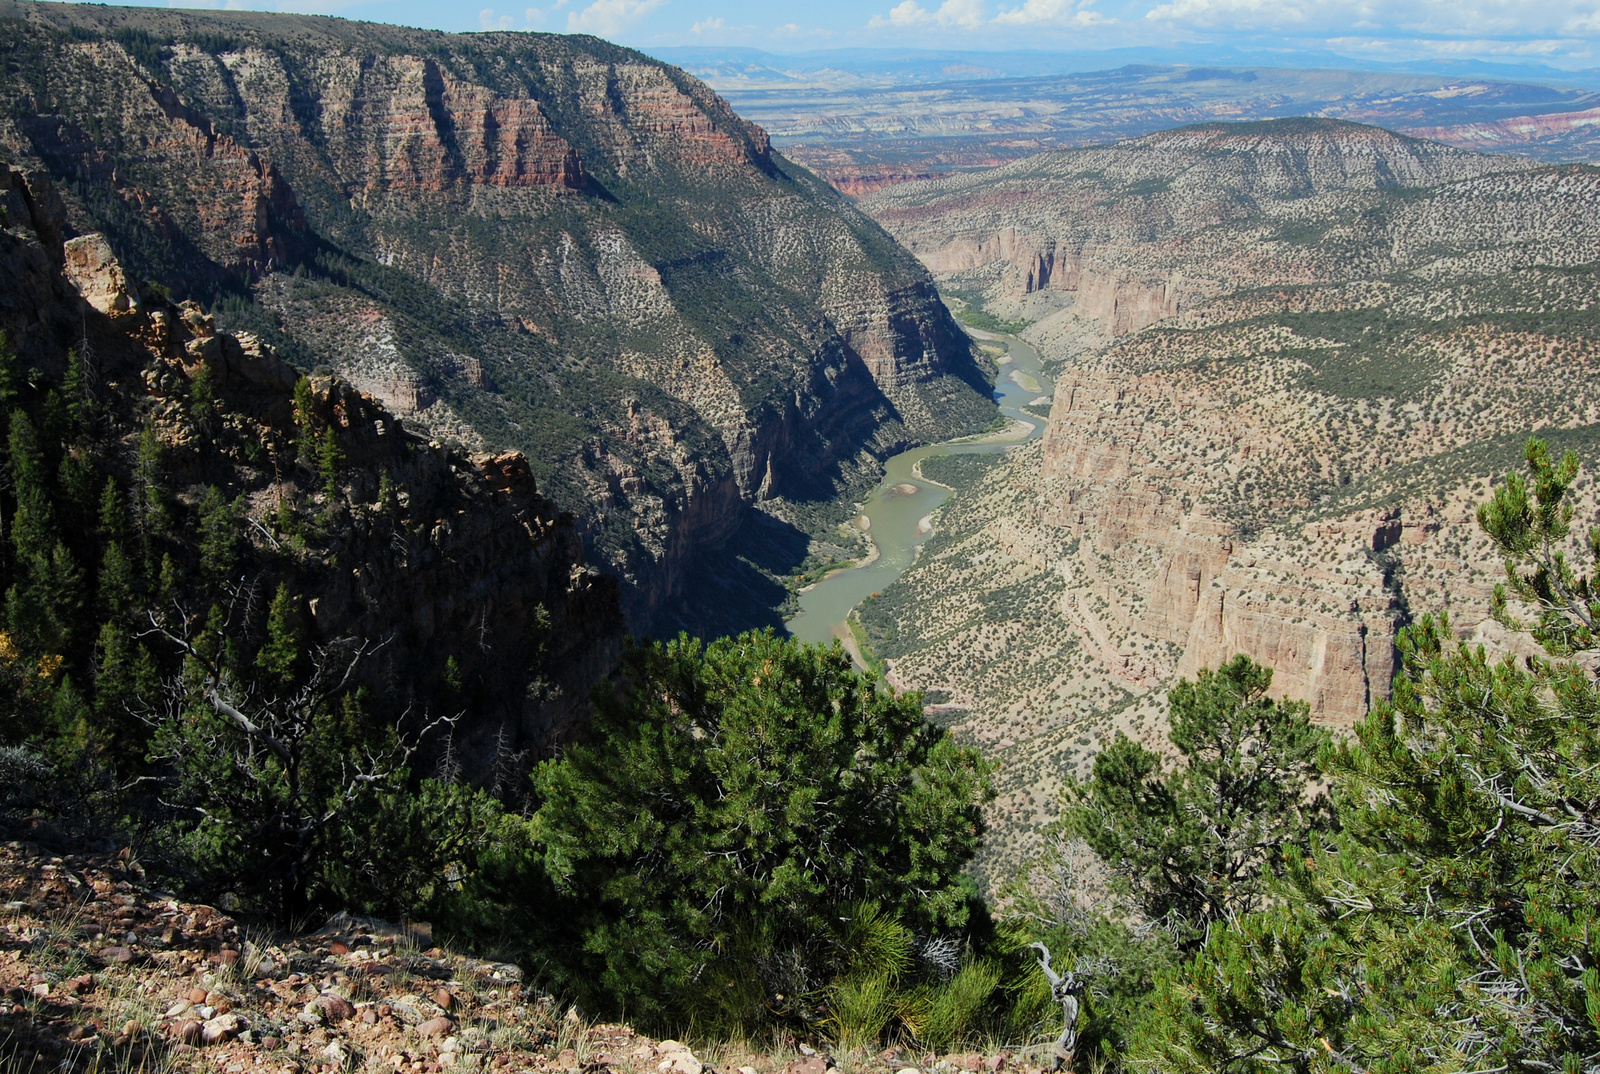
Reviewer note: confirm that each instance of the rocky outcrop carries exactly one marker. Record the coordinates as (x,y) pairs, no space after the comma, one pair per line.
(466,561)
(516,241)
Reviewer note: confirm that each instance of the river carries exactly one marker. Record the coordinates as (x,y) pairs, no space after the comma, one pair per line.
(898,515)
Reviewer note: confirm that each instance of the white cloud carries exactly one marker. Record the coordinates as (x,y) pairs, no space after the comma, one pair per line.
(965,13)
(905,13)
(1449,17)
(607,18)
(488,20)
(1073,13)
(706,26)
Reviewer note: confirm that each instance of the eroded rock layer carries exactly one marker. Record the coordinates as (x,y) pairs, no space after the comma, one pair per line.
(526,241)
(1280,457)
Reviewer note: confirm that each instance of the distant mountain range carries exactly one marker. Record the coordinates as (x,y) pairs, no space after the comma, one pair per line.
(867,118)
(898,67)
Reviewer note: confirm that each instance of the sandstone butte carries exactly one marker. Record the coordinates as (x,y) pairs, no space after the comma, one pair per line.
(528,241)
(1289,358)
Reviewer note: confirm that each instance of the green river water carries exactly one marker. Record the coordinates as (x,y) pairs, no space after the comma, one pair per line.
(898,515)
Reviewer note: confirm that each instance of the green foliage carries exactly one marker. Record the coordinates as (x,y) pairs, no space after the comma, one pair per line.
(1195,846)
(1451,923)
(752,790)
(280,656)
(330,457)
(219,534)
(203,401)
(305,421)
(1530,533)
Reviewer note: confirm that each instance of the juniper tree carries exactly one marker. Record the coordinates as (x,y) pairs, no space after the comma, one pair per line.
(1452,922)
(1196,843)
(733,803)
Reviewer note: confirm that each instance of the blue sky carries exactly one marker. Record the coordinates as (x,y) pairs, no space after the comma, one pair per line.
(1562,33)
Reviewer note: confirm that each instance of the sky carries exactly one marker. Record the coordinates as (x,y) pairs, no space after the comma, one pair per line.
(1560,33)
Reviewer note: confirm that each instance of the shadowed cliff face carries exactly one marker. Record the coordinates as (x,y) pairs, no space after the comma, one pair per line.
(527,241)
(461,558)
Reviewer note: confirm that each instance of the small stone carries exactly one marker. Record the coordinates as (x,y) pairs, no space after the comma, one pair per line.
(444,999)
(568,1060)
(271,1044)
(435,1027)
(42,989)
(179,1009)
(227,957)
(120,955)
(132,1029)
(222,1027)
(384,1010)
(747,1070)
(335,1008)
(369,1015)
(908,1070)
(337,948)
(82,986)
(335,1054)
(187,1031)
(197,995)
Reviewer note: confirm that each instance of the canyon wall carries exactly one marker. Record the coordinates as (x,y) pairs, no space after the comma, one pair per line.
(516,241)
(465,562)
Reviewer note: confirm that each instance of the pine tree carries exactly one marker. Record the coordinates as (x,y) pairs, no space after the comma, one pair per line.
(32,523)
(330,457)
(734,802)
(154,515)
(1450,922)
(280,655)
(1197,844)
(305,421)
(219,535)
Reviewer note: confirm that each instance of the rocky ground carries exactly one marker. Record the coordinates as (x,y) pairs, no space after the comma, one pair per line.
(100,972)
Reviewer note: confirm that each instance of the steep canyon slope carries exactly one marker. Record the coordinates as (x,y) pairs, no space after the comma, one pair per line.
(514,241)
(467,588)
(1289,358)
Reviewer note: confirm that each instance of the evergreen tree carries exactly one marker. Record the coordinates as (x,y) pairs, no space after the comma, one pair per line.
(280,655)
(1197,844)
(219,535)
(1530,533)
(735,801)
(330,457)
(305,421)
(1450,923)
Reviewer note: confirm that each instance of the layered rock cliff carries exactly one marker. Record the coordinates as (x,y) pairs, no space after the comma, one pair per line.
(448,566)
(1284,464)
(1119,237)
(514,240)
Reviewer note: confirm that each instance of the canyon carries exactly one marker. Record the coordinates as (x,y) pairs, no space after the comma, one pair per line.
(526,242)
(1289,359)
